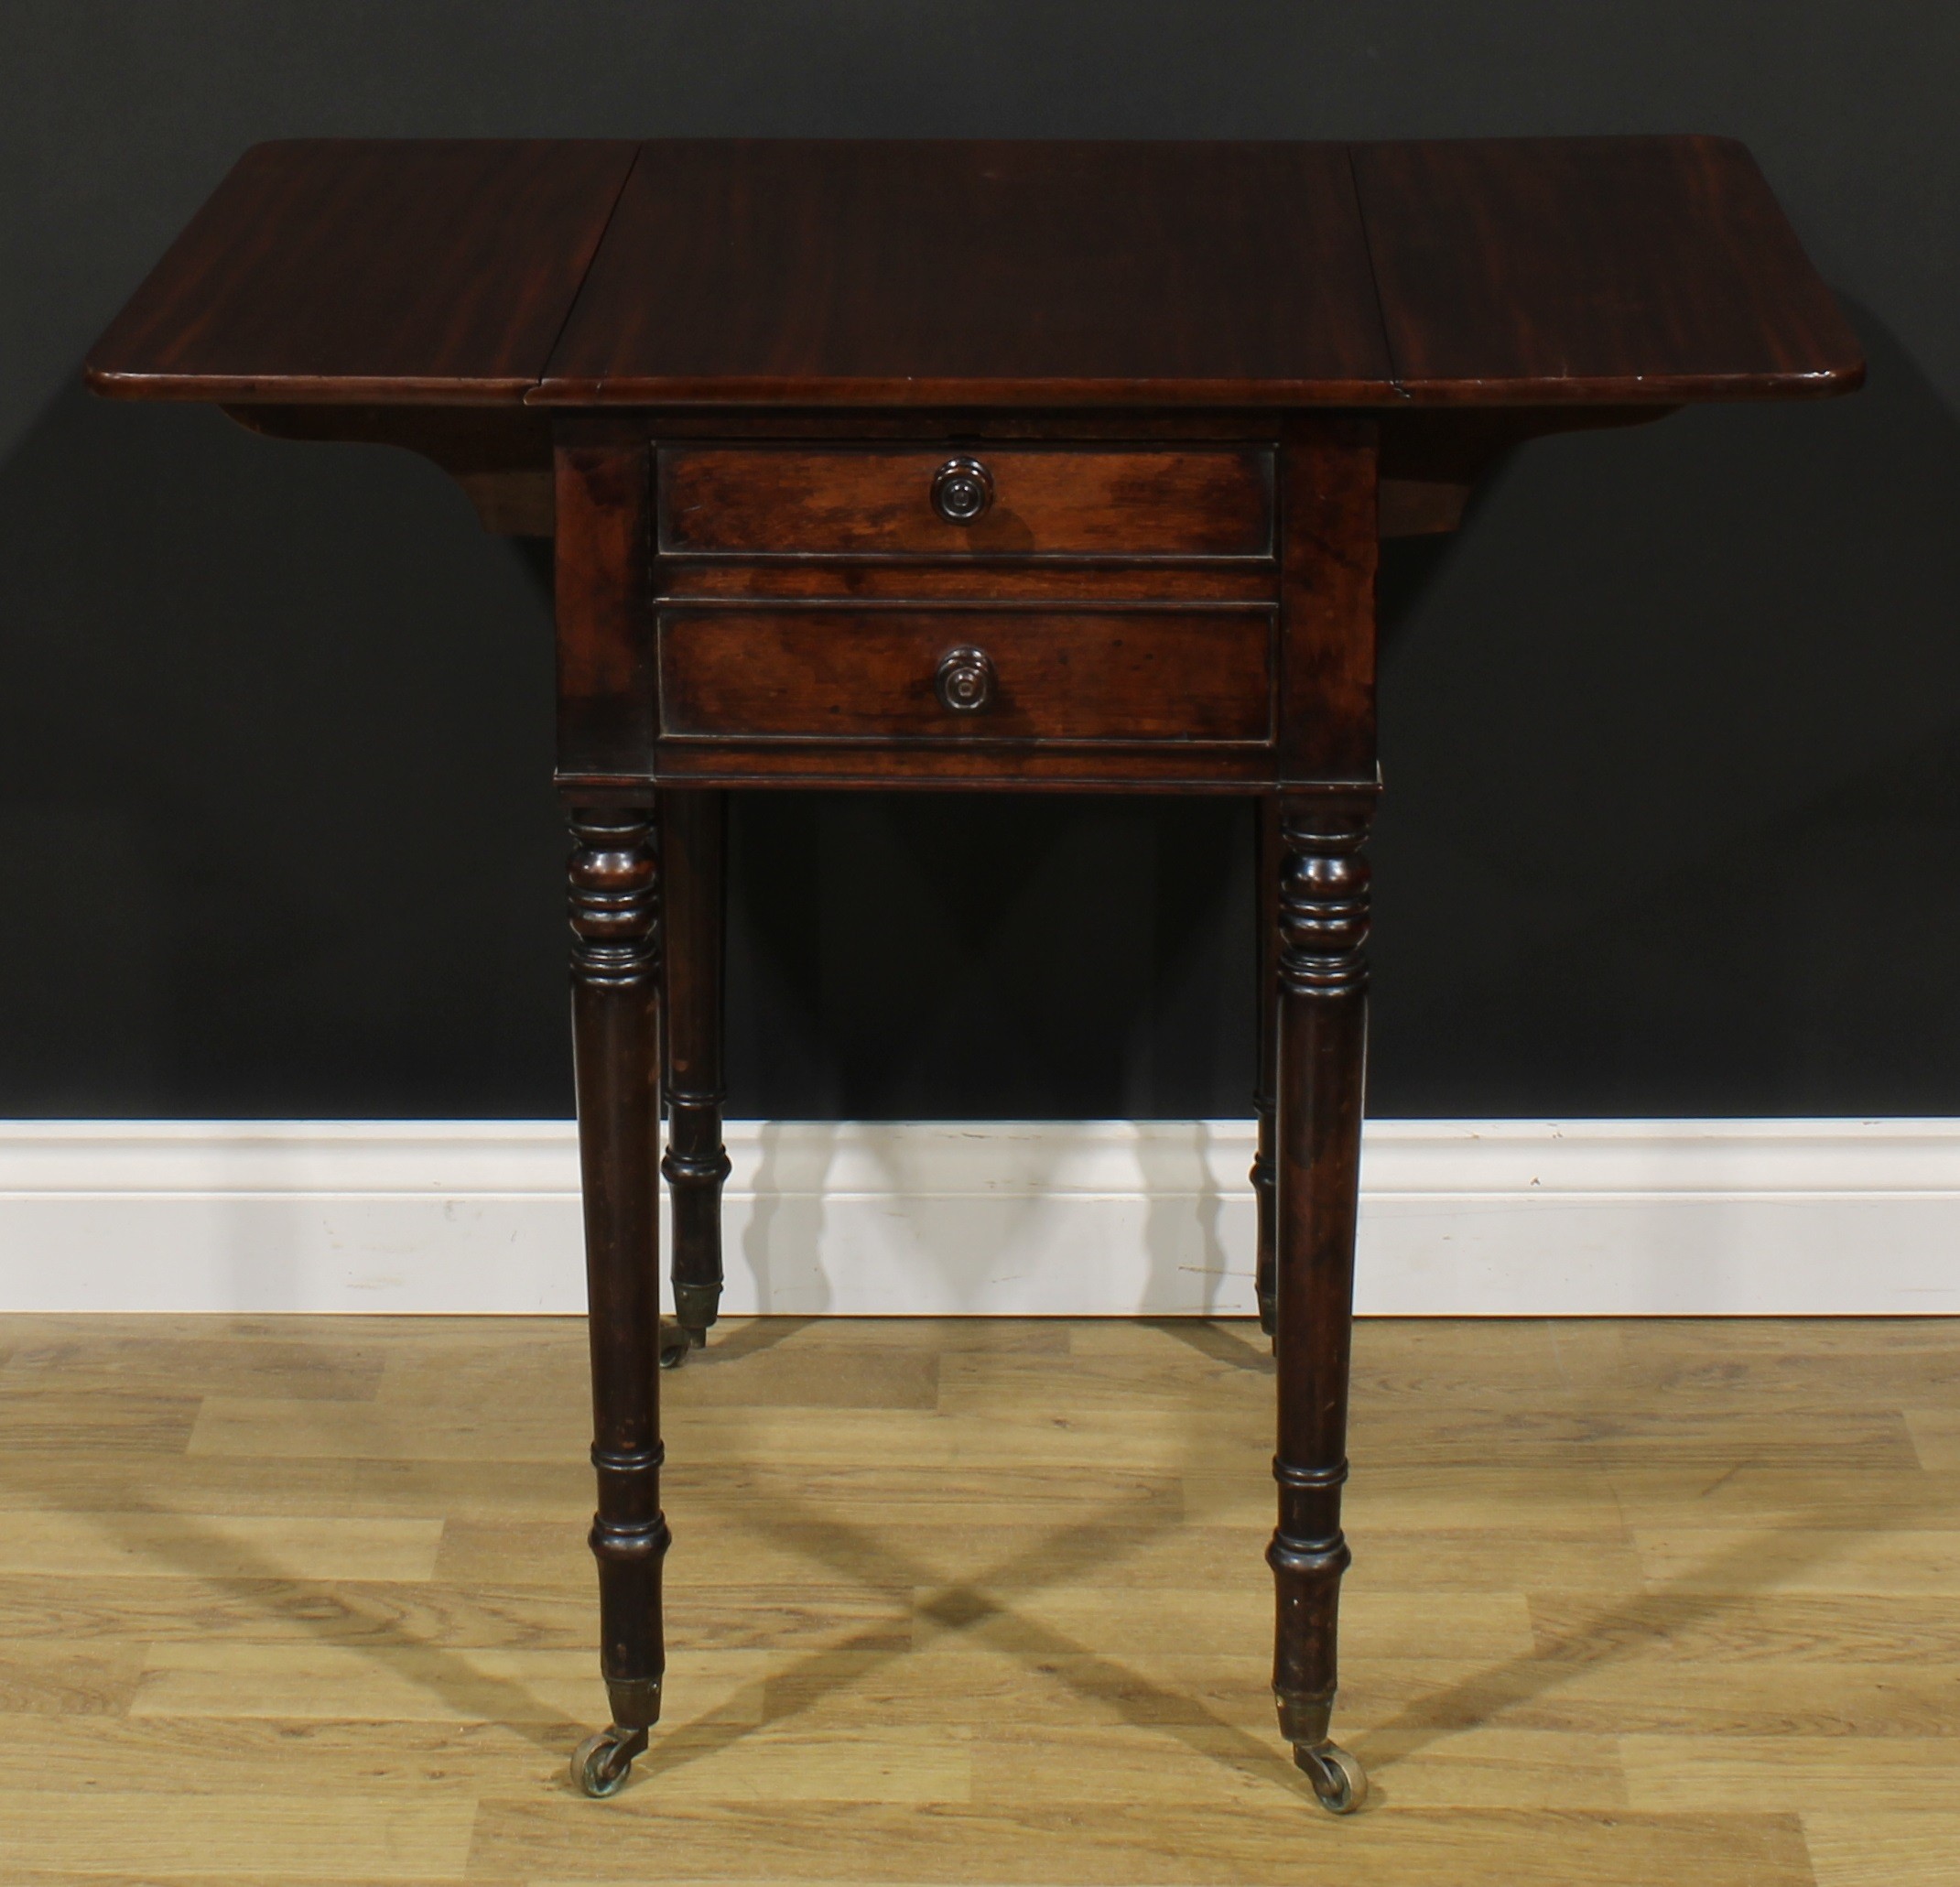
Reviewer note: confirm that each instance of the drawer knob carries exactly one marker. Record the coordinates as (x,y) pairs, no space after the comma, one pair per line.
(961,490)
(965,681)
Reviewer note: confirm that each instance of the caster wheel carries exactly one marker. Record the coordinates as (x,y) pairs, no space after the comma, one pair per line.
(673,1350)
(601,1763)
(1337,1777)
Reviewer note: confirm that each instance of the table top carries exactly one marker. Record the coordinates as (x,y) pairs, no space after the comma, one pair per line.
(1611,271)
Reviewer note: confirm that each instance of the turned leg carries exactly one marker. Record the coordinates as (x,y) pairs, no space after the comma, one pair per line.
(1322,1004)
(693,827)
(1266,890)
(615,969)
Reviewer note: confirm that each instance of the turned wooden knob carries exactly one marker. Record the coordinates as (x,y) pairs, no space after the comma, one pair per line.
(965,681)
(961,490)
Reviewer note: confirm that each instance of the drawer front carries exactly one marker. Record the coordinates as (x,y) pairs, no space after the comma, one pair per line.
(968,674)
(875,500)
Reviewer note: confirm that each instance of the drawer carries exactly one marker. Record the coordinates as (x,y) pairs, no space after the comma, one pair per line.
(912,501)
(968,674)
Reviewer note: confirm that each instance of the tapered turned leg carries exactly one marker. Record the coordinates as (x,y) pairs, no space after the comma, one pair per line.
(1323,1002)
(1266,886)
(693,825)
(615,973)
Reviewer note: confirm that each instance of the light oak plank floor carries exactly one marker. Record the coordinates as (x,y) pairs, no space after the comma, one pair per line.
(287,1600)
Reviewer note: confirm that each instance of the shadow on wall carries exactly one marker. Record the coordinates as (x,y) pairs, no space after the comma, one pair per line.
(1672,734)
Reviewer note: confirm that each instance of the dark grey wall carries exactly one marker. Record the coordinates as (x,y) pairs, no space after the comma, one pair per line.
(1672,730)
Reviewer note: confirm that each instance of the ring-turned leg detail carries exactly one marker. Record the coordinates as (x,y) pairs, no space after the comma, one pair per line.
(615,974)
(1323,1002)
(693,845)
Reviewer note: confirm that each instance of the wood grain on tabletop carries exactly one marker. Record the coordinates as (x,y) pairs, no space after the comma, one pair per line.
(975,272)
(875,271)
(296,1599)
(351,270)
(1579,269)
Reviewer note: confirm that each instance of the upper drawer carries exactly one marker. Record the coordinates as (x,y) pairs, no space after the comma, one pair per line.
(908,501)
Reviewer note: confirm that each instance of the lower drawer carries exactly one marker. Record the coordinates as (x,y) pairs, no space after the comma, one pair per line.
(970,673)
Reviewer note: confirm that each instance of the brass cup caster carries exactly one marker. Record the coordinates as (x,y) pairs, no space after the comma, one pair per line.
(694,1308)
(674,1348)
(1338,1779)
(602,1763)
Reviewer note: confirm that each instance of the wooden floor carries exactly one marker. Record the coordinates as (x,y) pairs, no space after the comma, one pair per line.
(287,1600)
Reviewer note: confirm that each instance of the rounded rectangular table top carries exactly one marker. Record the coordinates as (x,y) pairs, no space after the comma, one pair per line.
(789,272)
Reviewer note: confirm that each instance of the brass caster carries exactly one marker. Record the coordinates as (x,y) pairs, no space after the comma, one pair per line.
(601,1763)
(673,1350)
(1337,1774)
(694,1308)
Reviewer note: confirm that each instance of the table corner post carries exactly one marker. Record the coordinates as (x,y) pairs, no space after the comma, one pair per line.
(606,717)
(1322,899)
(1327,782)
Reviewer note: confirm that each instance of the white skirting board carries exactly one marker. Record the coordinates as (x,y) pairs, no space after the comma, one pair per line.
(1494,1217)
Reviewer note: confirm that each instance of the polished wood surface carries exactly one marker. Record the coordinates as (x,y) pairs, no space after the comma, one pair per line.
(1329,551)
(976,271)
(303,1599)
(1159,766)
(614,900)
(1593,268)
(348,269)
(892,273)
(605,655)
(1195,697)
(937,579)
(1189,677)
(1055,501)
(977,465)
(1322,971)
(1144,665)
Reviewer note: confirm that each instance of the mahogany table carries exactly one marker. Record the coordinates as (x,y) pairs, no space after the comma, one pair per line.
(981,466)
